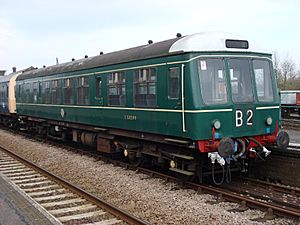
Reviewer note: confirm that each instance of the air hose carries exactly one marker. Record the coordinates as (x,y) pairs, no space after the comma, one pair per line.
(228,174)
(243,149)
(258,144)
(213,175)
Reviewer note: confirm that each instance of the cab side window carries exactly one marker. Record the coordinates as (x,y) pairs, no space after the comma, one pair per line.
(173,81)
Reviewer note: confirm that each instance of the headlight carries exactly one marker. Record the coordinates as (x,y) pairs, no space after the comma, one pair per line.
(269,121)
(217,124)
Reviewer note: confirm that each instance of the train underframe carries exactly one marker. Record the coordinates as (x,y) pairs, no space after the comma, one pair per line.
(208,160)
(288,110)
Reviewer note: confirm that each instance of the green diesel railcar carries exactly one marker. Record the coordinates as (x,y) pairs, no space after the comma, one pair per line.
(207,92)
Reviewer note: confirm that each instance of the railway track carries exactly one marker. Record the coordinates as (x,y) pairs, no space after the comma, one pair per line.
(294,147)
(293,124)
(254,200)
(66,203)
(292,151)
(279,196)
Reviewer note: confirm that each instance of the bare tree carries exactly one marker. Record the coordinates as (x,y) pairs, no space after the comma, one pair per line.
(277,68)
(287,75)
(288,70)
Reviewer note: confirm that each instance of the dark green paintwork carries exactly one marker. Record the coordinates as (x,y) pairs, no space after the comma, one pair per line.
(198,125)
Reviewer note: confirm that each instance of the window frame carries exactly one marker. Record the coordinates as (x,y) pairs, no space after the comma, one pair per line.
(55,89)
(35,91)
(27,92)
(47,92)
(140,81)
(250,71)
(98,93)
(169,83)
(68,91)
(116,80)
(270,80)
(225,100)
(83,90)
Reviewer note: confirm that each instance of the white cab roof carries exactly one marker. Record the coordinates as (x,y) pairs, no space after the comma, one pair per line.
(211,42)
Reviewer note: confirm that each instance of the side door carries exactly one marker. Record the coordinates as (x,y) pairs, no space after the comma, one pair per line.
(174,120)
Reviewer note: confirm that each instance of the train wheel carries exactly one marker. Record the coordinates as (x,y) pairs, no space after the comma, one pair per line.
(199,173)
(184,178)
(134,158)
(285,113)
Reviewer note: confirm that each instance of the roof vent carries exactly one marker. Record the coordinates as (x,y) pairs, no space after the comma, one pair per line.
(44,66)
(73,59)
(101,53)
(150,42)
(178,35)
(14,69)
(86,56)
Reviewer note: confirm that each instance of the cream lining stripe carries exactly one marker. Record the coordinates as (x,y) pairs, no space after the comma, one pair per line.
(133,109)
(267,107)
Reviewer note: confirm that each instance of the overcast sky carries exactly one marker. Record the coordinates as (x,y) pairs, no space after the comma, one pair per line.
(35,32)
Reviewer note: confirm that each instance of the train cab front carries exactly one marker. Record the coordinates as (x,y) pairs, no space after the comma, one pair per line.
(241,95)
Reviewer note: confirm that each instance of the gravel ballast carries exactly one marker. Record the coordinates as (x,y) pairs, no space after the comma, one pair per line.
(148,198)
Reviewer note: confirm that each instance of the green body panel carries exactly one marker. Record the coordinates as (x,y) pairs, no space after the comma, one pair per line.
(167,117)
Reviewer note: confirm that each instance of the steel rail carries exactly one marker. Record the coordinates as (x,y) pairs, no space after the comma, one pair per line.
(278,187)
(228,195)
(119,213)
(224,194)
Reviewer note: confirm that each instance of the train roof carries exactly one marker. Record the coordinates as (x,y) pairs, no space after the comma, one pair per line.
(200,42)
(215,41)
(6,78)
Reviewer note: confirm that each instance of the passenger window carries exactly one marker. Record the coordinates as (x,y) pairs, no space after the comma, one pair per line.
(47,92)
(83,91)
(55,91)
(116,88)
(40,89)
(35,91)
(173,83)
(98,87)
(2,93)
(67,88)
(145,87)
(19,91)
(27,92)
